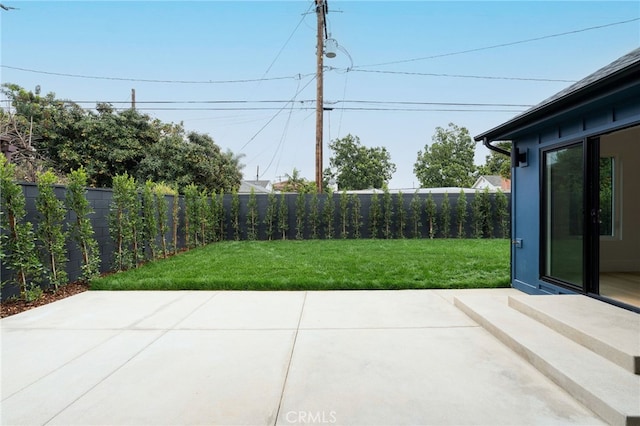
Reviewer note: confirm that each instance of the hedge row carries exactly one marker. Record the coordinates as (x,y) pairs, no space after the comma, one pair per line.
(97,230)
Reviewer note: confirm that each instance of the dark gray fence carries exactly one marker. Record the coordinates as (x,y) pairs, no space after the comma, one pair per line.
(100,200)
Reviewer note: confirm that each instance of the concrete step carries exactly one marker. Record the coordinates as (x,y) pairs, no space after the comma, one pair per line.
(611,332)
(604,387)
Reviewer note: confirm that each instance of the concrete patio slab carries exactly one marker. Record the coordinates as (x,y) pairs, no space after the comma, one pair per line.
(29,355)
(58,389)
(267,358)
(429,376)
(93,310)
(192,377)
(247,310)
(380,309)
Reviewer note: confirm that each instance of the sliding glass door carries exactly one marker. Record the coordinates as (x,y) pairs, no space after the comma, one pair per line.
(563,245)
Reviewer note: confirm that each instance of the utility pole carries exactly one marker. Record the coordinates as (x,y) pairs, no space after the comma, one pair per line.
(321,12)
(133,98)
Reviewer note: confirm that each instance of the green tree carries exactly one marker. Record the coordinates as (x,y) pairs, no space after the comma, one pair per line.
(431,210)
(149,214)
(235,214)
(401,214)
(502,213)
(416,215)
(487,213)
(356,215)
(252,217)
(55,128)
(461,214)
(296,183)
(109,142)
(301,210)
(314,215)
(358,167)
(283,216)
(220,214)
(477,215)
(121,227)
(192,158)
(374,216)
(27,161)
(175,218)
(328,212)
(446,216)
(51,235)
(387,213)
(448,161)
(160,190)
(344,215)
(81,229)
(213,220)
(271,215)
(19,253)
(203,215)
(190,215)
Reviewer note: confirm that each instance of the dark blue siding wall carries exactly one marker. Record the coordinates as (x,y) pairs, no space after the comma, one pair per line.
(594,119)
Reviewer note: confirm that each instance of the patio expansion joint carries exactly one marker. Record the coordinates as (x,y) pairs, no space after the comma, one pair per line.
(6,397)
(418,327)
(108,375)
(165,305)
(293,347)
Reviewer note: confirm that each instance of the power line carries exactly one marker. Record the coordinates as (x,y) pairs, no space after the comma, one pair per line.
(311,108)
(495,46)
(277,113)
(282,139)
(484,77)
(144,80)
(301,101)
(288,40)
(295,77)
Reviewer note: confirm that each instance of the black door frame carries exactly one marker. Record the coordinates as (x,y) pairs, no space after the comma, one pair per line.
(591,254)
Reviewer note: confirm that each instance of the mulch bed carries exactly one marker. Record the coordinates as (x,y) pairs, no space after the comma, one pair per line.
(12,307)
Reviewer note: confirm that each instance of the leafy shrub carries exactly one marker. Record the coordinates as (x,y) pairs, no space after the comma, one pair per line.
(431,210)
(356,216)
(271,215)
(314,218)
(122,214)
(374,216)
(446,216)
(502,213)
(150,222)
(401,215)
(328,211)
(301,207)
(283,216)
(18,250)
(252,217)
(461,214)
(344,215)
(416,216)
(387,215)
(81,229)
(51,235)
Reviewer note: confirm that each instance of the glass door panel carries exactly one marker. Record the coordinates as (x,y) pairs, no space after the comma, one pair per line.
(563,180)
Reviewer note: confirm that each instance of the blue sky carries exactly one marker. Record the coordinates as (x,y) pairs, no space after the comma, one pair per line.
(212,41)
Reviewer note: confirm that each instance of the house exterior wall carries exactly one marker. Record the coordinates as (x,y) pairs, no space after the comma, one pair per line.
(596,118)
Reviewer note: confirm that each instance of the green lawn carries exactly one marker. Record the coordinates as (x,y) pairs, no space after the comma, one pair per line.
(324,265)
